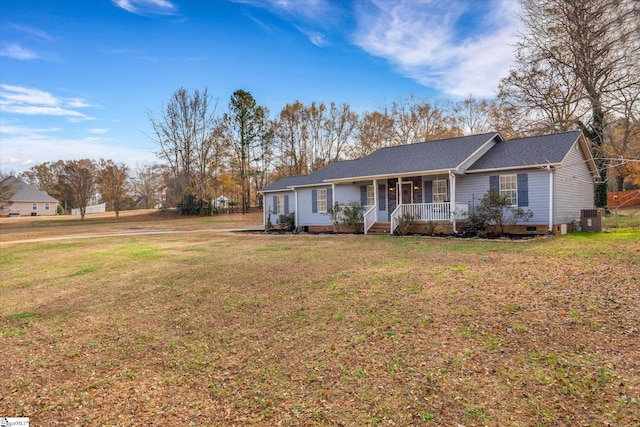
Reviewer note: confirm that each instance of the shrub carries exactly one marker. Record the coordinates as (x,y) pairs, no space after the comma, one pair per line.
(349,215)
(405,222)
(287,221)
(495,210)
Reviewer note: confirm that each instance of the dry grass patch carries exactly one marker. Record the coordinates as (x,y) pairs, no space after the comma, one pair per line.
(245,329)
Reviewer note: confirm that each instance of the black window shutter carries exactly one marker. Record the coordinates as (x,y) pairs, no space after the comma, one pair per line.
(428,191)
(494,183)
(523,190)
(286,204)
(314,201)
(363,195)
(382,198)
(329,198)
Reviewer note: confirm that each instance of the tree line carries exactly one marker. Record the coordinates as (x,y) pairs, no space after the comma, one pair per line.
(577,67)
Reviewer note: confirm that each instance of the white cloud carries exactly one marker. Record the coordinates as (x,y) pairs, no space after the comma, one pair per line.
(27,101)
(98,131)
(423,40)
(23,147)
(15,51)
(147,7)
(302,14)
(33,32)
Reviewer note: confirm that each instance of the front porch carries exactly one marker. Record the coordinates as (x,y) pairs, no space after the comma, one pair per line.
(442,215)
(428,200)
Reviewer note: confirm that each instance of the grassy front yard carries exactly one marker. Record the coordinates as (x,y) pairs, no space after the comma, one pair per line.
(250,329)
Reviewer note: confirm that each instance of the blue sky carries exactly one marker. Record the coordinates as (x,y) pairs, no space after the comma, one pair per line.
(78,78)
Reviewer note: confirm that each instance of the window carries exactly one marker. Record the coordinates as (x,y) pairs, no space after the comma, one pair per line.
(46,206)
(371,197)
(322,200)
(439,189)
(509,188)
(34,206)
(280,207)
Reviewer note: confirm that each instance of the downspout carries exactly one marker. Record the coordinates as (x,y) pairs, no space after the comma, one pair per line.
(452,200)
(295,205)
(333,190)
(550,198)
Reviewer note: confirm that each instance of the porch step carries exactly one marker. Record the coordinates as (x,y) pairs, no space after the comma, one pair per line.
(380,228)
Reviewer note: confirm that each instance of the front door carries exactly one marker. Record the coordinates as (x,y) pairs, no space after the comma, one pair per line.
(407,193)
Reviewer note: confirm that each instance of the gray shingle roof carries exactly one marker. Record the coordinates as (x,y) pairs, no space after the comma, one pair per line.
(420,157)
(531,151)
(424,156)
(331,171)
(23,192)
(441,155)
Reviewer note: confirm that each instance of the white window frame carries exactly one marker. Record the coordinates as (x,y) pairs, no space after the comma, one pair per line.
(439,191)
(371,195)
(34,206)
(46,206)
(509,188)
(280,206)
(322,200)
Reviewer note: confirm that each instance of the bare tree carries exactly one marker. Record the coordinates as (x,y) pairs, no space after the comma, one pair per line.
(340,126)
(578,62)
(189,139)
(147,185)
(473,115)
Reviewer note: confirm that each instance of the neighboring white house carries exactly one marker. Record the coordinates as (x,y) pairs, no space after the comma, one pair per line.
(26,200)
(437,182)
(221,202)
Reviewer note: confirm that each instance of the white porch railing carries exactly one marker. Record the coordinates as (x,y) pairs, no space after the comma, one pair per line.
(369,218)
(422,212)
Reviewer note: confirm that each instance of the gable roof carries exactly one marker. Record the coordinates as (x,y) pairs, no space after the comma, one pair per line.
(526,152)
(446,155)
(26,193)
(443,154)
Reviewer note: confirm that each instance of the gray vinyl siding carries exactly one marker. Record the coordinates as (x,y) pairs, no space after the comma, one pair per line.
(305,213)
(471,188)
(345,194)
(574,187)
(269,206)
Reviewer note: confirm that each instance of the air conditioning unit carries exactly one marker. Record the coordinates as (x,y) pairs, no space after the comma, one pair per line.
(591,219)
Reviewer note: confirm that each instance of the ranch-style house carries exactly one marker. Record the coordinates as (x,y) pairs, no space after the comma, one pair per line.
(439,182)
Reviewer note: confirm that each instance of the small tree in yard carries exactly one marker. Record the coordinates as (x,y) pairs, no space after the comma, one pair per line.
(496,210)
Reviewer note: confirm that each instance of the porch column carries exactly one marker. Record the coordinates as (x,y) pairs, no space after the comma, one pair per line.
(399,191)
(375,195)
(452,199)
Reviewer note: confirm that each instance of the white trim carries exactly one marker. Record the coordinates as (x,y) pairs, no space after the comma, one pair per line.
(385,176)
(513,168)
(411,184)
(480,148)
(452,199)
